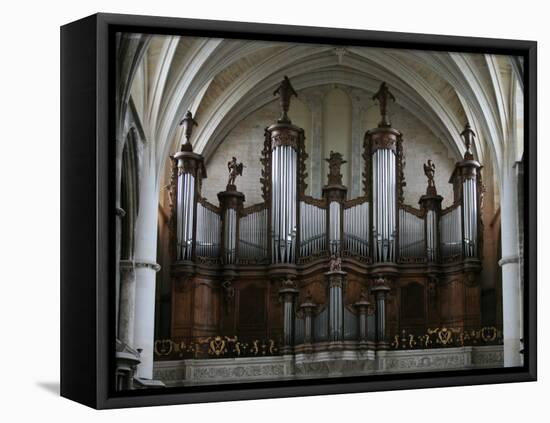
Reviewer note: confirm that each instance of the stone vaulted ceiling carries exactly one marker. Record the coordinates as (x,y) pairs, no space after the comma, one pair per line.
(222,81)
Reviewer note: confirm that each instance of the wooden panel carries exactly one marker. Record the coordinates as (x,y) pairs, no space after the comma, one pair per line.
(182,307)
(205,308)
(452,303)
(252,311)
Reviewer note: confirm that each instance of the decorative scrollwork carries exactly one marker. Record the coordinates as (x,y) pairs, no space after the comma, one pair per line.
(214,347)
(302,166)
(265,160)
(401,183)
(447,337)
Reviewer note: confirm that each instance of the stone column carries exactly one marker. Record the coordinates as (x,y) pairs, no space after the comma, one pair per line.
(357,109)
(126,316)
(336,280)
(288,293)
(308,306)
(146,267)
(315,103)
(512,318)
(380,290)
(362,307)
(120,213)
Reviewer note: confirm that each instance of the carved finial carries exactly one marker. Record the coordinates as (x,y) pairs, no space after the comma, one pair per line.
(288,283)
(468,136)
(285,91)
(429,171)
(382,96)
(235,169)
(335,162)
(188,123)
(340,52)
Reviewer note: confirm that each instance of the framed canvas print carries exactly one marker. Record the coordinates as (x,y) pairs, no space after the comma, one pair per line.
(255,211)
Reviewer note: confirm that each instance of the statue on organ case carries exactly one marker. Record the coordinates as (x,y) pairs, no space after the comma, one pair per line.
(188,122)
(335,264)
(285,91)
(383,95)
(429,171)
(235,169)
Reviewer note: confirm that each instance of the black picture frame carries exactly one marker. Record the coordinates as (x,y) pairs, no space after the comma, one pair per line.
(87,210)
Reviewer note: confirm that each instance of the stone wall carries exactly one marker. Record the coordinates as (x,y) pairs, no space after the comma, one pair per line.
(327,364)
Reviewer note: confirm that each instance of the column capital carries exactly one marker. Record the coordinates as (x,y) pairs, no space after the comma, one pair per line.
(336,278)
(308,305)
(508,260)
(288,289)
(146,264)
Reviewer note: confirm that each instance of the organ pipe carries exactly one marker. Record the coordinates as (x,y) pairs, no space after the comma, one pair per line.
(356,233)
(411,235)
(231,203)
(384,194)
(469,177)
(252,235)
(208,231)
(190,172)
(284,203)
(312,229)
(450,229)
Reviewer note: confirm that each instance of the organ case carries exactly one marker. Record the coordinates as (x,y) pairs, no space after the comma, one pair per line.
(312,274)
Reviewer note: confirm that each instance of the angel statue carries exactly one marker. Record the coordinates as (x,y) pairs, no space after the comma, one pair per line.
(429,171)
(235,169)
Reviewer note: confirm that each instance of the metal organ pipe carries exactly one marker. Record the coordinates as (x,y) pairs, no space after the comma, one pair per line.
(470,217)
(334,210)
(431,235)
(229,236)
(184,222)
(312,229)
(384,204)
(252,235)
(411,235)
(355,229)
(450,226)
(283,200)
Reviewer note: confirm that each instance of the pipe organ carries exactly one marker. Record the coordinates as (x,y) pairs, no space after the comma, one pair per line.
(313,228)
(331,272)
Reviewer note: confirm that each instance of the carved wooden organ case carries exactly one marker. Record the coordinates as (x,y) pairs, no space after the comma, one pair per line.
(312,274)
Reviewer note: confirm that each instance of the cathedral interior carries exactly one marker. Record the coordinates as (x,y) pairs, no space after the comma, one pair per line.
(290,211)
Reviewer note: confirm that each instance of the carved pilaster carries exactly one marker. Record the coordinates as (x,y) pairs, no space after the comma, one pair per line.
(336,280)
(308,307)
(362,307)
(380,288)
(287,294)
